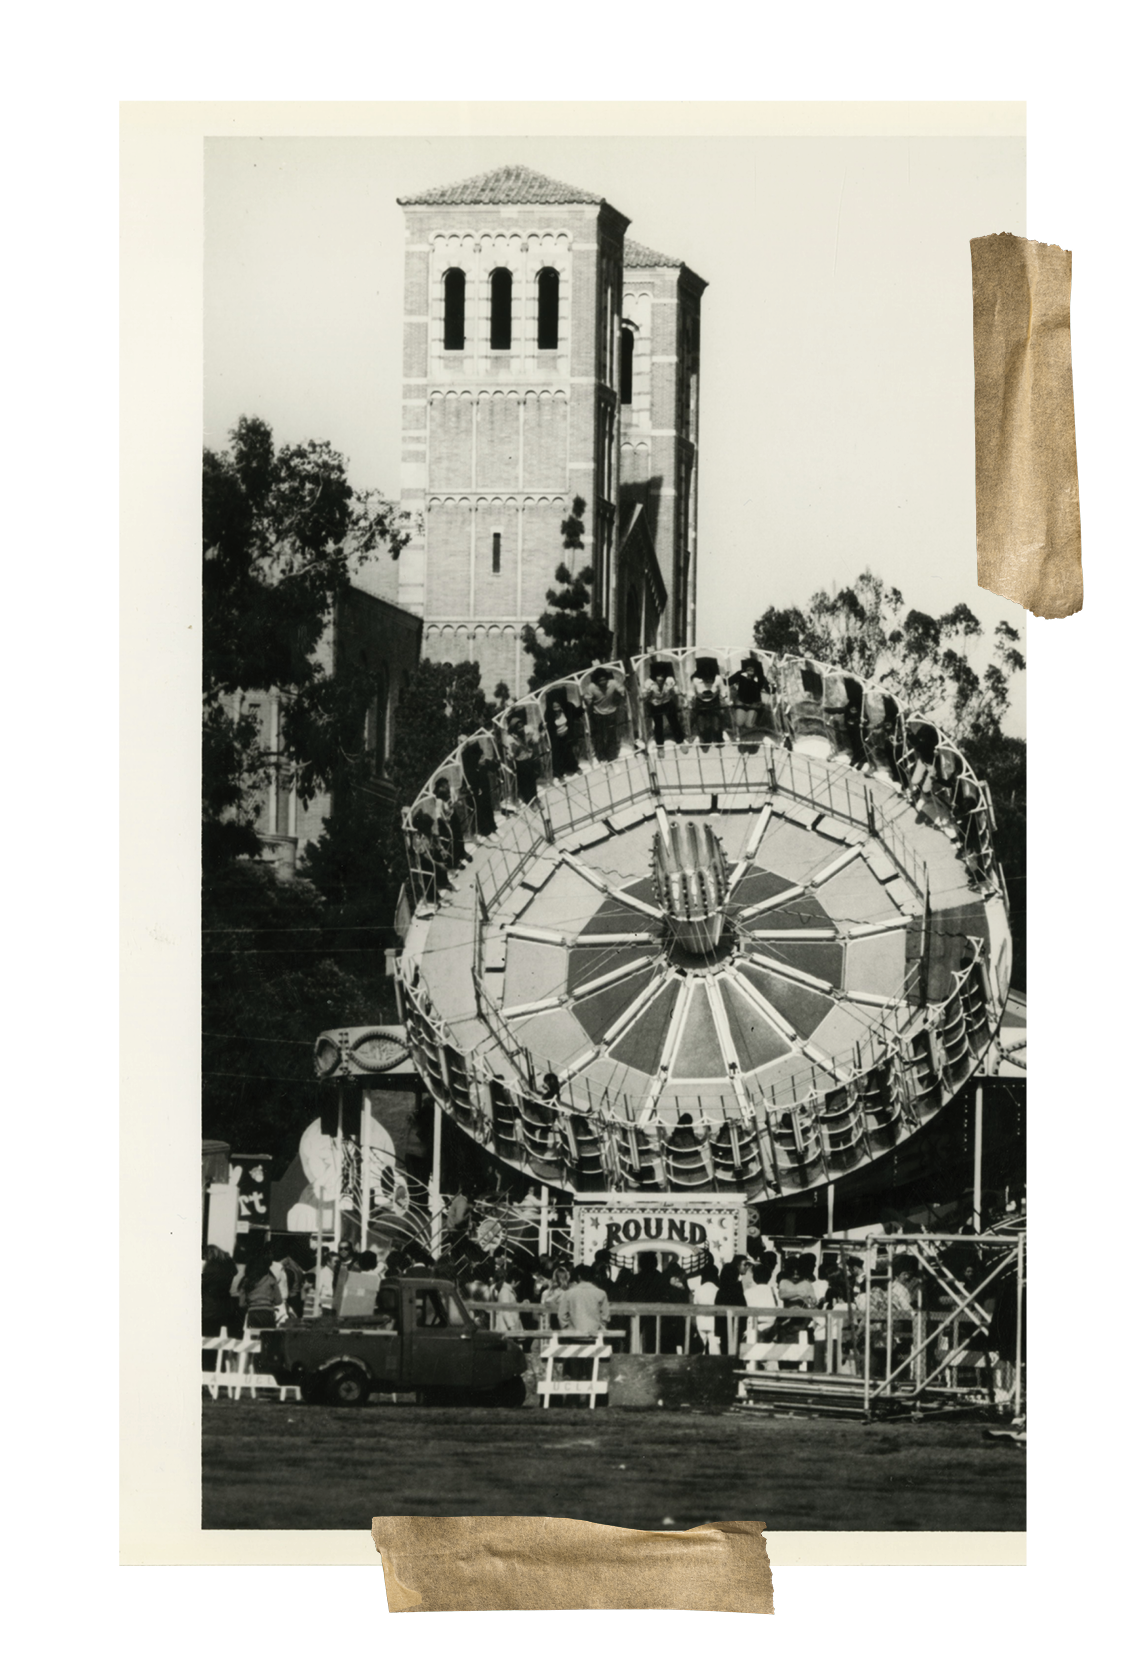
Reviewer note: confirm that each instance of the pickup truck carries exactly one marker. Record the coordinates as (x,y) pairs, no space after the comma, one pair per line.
(417,1335)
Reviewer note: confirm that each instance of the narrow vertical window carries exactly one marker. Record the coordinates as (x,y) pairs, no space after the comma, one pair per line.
(548,299)
(501,310)
(497,552)
(626,367)
(455,334)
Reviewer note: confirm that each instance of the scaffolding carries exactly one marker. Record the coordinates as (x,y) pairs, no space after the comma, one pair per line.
(947,1336)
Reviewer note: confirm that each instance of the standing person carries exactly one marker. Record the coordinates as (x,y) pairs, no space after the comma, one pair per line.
(455,1219)
(537,1284)
(324,1286)
(602,1273)
(429,858)
(703,1286)
(843,710)
(553,1292)
(219,1308)
(561,1280)
(343,1262)
(260,1293)
(220,1311)
(522,750)
(479,769)
(923,740)
(747,690)
(450,833)
(280,1273)
(760,1292)
(730,1294)
(659,692)
(906,1288)
(797,1290)
(563,723)
(878,727)
(709,697)
(674,1332)
(295,1277)
(604,698)
(648,1284)
(479,1289)
(796,1287)
(1003,1337)
(583,1307)
(504,1290)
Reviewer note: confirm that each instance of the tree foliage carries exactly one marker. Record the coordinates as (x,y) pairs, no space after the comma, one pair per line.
(274,976)
(439,703)
(867,628)
(283,534)
(568,636)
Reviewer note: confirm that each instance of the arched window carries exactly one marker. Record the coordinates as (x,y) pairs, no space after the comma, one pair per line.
(501,310)
(455,335)
(548,298)
(626,366)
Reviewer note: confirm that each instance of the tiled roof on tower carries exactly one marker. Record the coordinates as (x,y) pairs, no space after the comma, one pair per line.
(636,254)
(511,184)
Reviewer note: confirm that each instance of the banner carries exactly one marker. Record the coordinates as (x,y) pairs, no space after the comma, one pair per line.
(687,1226)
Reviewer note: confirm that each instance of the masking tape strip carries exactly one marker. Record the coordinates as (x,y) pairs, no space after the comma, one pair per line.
(1026,472)
(437,1563)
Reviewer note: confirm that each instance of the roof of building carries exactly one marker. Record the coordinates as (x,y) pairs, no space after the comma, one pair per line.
(637,254)
(511,184)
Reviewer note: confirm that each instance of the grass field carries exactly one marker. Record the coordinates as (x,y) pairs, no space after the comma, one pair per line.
(284,1465)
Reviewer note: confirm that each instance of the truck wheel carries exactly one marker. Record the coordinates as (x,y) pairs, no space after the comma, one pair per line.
(510,1393)
(347,1386)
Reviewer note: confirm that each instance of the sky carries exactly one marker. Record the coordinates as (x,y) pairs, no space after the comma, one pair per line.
(836,386)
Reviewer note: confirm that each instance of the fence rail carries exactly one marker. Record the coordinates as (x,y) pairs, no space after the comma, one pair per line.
(893,1354)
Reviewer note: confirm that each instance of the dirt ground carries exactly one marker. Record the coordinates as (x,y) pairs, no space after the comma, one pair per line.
(284,1465)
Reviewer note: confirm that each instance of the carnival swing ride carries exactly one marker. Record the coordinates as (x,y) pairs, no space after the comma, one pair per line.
(749,955)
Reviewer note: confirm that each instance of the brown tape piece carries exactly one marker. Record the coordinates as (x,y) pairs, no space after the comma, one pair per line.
(435,1563)
(1026,471)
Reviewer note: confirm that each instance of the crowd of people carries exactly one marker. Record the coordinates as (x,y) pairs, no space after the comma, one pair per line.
(779,1296)
(791,703)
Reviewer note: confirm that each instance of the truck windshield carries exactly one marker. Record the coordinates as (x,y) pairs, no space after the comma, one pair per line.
(438,1308)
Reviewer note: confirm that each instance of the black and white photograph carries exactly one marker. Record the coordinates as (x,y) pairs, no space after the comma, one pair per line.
(613,838)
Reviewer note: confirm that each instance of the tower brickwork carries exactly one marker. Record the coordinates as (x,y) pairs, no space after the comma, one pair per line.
(514,299)
(660,390)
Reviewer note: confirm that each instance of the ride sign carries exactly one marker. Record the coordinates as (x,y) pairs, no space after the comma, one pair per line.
(688,1227)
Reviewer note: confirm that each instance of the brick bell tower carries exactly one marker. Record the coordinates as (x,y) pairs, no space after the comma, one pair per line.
(511,388)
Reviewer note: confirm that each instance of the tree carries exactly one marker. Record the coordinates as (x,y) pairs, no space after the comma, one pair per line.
(283,534)
(576,636)
(272,981)
(866,629)
(440,702)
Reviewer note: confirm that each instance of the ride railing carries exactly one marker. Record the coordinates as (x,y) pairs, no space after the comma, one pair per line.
(663,1327)
(804,711)
(826,1116)
(884,1355)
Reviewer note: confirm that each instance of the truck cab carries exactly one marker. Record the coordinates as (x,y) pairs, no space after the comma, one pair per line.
(416,1334)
